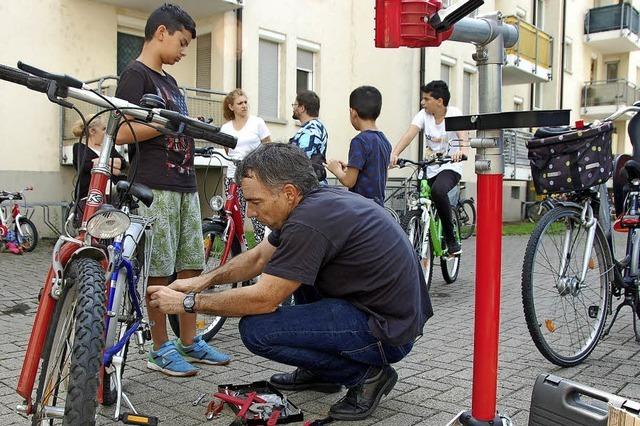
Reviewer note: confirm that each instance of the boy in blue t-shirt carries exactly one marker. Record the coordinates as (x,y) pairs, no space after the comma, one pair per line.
(369,153)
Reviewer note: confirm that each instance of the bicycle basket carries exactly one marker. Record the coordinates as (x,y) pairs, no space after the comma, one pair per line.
(572,161)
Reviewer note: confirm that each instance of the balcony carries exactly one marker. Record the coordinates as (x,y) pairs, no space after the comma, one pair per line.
(613,29)
(516,155)
(530,60)
(196,8)
(200,103)
(602,98)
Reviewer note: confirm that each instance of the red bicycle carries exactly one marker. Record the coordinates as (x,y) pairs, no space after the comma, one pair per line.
(223,238)
(26,234)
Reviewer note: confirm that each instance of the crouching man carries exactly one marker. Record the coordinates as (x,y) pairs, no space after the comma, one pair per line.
(370,302)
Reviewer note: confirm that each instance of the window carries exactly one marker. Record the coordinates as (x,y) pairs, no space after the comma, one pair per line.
(539,18)
(568,55)
(304,70)
(445,74)
(466,93)
(128,49)
(612,71)
(268,78)
(537,96)
(203,61)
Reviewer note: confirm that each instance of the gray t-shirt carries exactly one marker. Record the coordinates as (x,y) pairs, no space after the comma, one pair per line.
(350,248)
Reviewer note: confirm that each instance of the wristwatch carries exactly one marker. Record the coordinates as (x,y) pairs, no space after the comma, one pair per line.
(189,303)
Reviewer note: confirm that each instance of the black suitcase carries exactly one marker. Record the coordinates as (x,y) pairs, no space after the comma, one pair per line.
(561,402)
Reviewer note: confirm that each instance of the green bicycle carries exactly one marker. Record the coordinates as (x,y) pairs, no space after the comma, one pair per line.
(424,227)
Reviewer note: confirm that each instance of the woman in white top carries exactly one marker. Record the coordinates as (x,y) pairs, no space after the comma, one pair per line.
(430,119)
(250,131)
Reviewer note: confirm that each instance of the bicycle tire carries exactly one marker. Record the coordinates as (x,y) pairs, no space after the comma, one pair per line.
(450,266)
(78,323)
(393,214)
(212,235)
(467,215)
(30,234)
(565,319)
(411,222)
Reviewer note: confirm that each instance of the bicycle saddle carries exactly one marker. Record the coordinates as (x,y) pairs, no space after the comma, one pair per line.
(138,190)
(546,132)
(632,170)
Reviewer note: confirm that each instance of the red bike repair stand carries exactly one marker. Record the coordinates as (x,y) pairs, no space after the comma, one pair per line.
(422,23)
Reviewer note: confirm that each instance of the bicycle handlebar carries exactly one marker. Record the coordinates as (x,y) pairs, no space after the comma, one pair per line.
(68,87)
(402,162)
(634,108)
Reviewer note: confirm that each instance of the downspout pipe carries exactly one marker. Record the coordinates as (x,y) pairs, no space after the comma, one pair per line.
(562,53)
(239,47)
(534,8)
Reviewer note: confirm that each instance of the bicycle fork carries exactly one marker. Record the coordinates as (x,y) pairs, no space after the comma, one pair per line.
(589,221)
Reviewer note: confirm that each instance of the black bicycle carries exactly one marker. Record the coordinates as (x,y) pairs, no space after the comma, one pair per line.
(466,208)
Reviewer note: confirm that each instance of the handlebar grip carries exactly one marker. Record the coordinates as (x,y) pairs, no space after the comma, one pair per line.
(24,79)
(65,80)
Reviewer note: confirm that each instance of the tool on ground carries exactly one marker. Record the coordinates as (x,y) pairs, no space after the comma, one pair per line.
(138,419)
(198,399)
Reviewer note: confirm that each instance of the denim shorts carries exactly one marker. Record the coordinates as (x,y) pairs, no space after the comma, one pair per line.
(177,232)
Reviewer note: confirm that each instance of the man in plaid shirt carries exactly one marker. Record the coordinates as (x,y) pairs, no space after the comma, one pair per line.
(312,137)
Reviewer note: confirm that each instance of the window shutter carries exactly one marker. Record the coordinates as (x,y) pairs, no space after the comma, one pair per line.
(305,60)
(268,79)
(203,62)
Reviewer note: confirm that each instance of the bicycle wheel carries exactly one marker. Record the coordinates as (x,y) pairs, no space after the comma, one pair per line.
(565,317)
(29,237)
(412,224)
(393,213)
(73,350)
(467,216)
(208,325)
(450,266)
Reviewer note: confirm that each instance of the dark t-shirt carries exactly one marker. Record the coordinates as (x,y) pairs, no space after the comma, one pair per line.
(164,162)
(349,248)
(370,152)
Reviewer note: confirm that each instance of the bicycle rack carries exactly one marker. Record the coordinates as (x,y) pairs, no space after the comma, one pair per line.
(419,24)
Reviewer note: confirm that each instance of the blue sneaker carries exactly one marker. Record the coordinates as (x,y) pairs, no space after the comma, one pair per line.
(168,361)
(201,352)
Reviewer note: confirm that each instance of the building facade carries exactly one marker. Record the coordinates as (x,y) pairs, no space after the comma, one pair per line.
(575,54)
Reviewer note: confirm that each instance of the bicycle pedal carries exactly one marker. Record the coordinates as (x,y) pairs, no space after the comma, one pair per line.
(138,419)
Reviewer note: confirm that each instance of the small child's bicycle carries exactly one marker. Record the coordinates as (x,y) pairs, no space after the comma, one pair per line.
(24,231)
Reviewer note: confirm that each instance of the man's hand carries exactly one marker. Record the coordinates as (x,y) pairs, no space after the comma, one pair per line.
(166,300)
(188,285)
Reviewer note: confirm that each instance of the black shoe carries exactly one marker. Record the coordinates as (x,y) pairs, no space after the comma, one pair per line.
(362,400)
(454,248)
(300,379)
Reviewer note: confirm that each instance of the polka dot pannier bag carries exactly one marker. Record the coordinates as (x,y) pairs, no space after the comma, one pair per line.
(571,161)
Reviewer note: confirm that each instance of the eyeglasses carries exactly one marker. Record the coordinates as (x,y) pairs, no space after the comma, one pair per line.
(293,105)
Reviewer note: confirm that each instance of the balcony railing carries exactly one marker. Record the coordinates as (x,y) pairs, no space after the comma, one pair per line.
(609,93)
(533,44)
(200,103)
(613,17)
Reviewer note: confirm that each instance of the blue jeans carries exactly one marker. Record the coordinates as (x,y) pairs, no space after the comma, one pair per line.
(330,337)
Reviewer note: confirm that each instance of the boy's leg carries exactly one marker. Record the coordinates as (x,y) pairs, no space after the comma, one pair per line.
(189,263)
(441,184)
(164,356)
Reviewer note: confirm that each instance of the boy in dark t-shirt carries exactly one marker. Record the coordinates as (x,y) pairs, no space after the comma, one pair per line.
(369,153)
(165,164)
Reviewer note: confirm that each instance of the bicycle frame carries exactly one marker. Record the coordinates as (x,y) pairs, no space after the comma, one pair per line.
(235,224)
(432,233)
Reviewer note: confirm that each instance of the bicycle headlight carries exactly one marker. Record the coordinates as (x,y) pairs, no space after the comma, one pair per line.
(108,222)
(216,203)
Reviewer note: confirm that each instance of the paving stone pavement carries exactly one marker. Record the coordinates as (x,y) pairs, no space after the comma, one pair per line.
(435,379)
